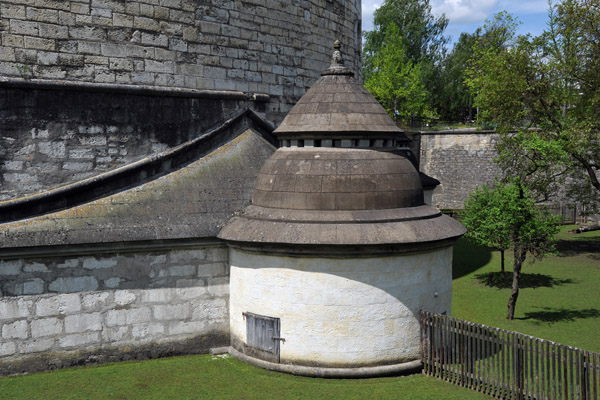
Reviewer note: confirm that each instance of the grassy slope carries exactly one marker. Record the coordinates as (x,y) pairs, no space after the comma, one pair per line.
(560,300)
(209,377)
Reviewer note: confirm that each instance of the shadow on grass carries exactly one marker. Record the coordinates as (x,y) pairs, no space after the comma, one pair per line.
(549,314)
(500,281)
(469,257)
(568,248)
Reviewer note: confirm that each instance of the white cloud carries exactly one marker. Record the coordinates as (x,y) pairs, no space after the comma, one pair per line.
(463,11)
(520,7)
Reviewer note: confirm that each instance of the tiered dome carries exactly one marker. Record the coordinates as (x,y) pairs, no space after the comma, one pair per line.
(342,177)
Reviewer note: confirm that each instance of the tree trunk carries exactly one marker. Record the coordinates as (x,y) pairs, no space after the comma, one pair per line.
(502,262)
(520,255)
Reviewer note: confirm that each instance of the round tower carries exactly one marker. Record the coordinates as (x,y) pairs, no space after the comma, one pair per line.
(338,252)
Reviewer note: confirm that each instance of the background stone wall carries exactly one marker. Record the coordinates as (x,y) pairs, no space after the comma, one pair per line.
(460,160)
(58,311)
(267,46)
(54,136)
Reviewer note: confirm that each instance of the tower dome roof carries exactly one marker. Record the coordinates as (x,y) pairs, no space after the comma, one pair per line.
(337,105)
(341,184)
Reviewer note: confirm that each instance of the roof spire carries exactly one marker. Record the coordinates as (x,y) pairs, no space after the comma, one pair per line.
(337,62)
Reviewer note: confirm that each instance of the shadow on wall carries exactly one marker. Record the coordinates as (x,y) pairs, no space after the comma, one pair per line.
(469,257)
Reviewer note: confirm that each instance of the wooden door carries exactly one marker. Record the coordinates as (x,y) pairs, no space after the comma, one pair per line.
(262,337)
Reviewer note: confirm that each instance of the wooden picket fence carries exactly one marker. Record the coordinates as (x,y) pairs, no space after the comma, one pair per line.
(505,364)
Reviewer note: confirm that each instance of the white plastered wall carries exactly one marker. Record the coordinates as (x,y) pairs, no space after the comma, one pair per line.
(341,312)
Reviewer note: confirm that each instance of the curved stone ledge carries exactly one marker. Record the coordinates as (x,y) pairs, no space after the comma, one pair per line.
(46,84)
(322,372)
(136,173)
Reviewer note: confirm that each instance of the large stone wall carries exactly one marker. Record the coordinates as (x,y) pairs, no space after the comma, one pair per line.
(87,86)
(460,160)
(55,135)
(61,310)
(266,46)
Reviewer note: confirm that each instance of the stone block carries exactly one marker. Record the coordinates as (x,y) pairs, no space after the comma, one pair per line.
(11,41)
(12,267)
(78,167)
(35,267)
(94,263)
(211,270)
(45,327)
(80,323)
(87,33)
(23,27)
(53,31)
(16,330)
(157,295)
(79,339)
(7,348)
(123,297)
(74,284)
(128,316)
(171,312)
(114,282)
(182,270)
(11,308)
(147,330)
(20,178)
(95,301)
(33,286)
(52,149)
(117,334)
(193,327)
(36,345)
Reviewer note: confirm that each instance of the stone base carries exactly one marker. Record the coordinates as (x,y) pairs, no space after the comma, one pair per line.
(323,372)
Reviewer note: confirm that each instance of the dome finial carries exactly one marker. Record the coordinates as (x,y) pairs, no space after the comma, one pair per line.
(337,62)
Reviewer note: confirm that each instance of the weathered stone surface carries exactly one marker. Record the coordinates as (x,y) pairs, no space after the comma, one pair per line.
(193,202)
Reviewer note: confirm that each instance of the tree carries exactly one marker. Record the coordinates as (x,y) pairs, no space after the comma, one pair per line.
(422,36)
(544,95)
(483,217)
(513,215)
(456,98)
(395,81)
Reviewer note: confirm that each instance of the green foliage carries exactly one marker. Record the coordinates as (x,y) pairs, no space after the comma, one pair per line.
(483,216)
(455,98)
(395,82)
(544,95)
(508,214)
(422,42)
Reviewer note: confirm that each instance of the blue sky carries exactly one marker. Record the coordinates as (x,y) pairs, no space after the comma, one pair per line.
(467,15)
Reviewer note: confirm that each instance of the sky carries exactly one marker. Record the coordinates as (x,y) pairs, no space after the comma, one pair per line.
(467,15)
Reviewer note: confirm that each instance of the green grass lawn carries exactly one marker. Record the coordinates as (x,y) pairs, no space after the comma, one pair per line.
(559,299)
(211,377)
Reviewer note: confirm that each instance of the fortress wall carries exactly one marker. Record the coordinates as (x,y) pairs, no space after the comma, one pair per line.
(62,310)
(87,86)
(460,160)
(275,47)
(54,136)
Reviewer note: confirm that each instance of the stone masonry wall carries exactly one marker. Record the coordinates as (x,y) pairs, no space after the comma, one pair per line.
(460,160)
(50,138)
(275,47)
(58,311)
